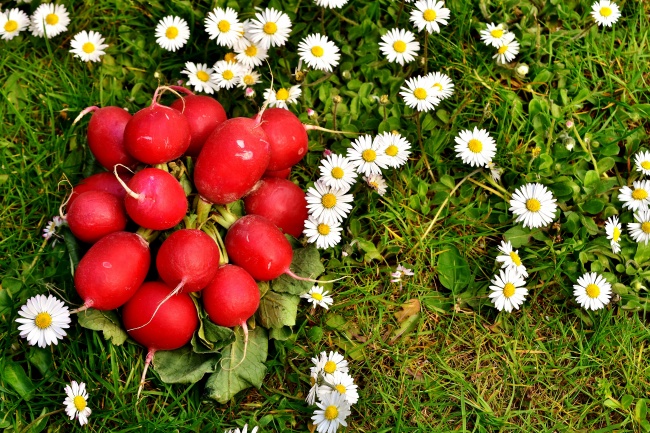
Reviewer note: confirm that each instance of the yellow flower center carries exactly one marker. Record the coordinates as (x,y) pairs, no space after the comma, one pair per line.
(171,32)
(374,184)
(223,26)
(249,80)
(330,367)
(11,26)
(593,291)
(337,173)
(317,51)
(331,412)
(616,235)
(251,51)
(399,46)
(475,145)
(508,290)
(420,93)
(282,95)
(639,194)
(323,229)
(328,200)
(270,28)
(429,15)
(88,47)
(438,87)
(340,388)
(645,227)
(43,320)
(51,19)
(317,296)
(369,155)
(230,57)
(203,76)
(605,11)
(515,258)
(502,49)
(645,165)
(497,33)
(392,150)
(533,205)
(227,75)
(79,403)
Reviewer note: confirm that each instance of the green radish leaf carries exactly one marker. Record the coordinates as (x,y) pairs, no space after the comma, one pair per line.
(306,263)
(14,375)
(277,310)
(453,270)
(211,338)
(281,334)
(105,321)
(183,365)
(236,373)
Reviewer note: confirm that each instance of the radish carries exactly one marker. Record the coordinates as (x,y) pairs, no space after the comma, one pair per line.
(203,114)
(171,328)
(112,270)
(157,134)
(282,174)
(287,137)
(232,160)
(155,199)
(280,201)
(100,182)
(94,214)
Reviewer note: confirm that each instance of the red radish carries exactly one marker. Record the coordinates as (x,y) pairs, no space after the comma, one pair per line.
(106,136)
(101,182)
(188,260)
(171,327)
(232,296)
(232,160)
(287,137)
(280,201)
(282,174)
(155,199)
(203,114)
(112,270)
(94,214)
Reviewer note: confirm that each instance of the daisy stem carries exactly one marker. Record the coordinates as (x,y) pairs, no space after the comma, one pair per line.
(586,148)
(495,184)
(424,153)
(29,426)
(341,17)
(426,46)
(484,186)
(442,206)
(399,13)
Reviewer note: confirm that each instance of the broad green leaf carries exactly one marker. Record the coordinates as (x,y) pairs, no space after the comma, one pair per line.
(281,334)
(210,338)
(277,310)
(626,401)
(606,164)
(518,236)
(306,263)
(591,178)
(236,373)
(611,403)
(594,206)
(41,359)
(453,270)
(642,253)
(14,375)
(105,321)
(183,365)
(640,410)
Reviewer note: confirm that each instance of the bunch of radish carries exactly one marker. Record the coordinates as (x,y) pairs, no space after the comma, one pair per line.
(173,173)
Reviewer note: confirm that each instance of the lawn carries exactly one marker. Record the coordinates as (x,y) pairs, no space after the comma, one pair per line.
(429,351)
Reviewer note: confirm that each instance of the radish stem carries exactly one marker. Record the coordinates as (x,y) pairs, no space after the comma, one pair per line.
(319,128)
(299,278)
(84,112)
(128,190)
(147,362)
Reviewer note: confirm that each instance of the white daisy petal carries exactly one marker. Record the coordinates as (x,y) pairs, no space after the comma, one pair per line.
(642,162)
(428,14)
(640,230)
(43,319)
(592,291)
(476,147)
(76,402)
(227,74)
(368,155)
(399,46)
(224,26)
(340,383)
(494,35)
(637,197)
(12,22)
(89,47)
(605,12)
(283,96)
(328,205)
(507,290)
(270,28)
(319,52)
(250,53)
(338,172)
(396,148)
(507,49)
(418,93)
(534,205)
(172,33)
(318,297)
(613,230)
(510,259)
(49,20)
(201,77)
(331,413)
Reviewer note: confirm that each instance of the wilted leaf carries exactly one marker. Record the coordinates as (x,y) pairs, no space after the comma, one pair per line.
(277,310)
(409,308)
(407,326)
(105,321)
(183,365)
(306,263)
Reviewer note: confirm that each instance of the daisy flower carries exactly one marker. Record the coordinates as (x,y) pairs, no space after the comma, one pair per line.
(533,204)
(495,172)
(248,77)
(511,259)
(367,155)
(12,22)
(172,33)
(442,85)
(50,228)
(507,50)
(42,320)
(399,271)
(249,53)
(340,383)
(49,19)
(330,3)
(396,148)
(226,74)
(331,413)
(329,363)
(283,96)
(376,182)
(270,28)
(88,46)
(318,296)
(399,46)
(592,291)
(338,172)
(642,162)
(613,231)
(324,234)
(428,14)
(224,26)
(476,147)
(313,391)
(244,430)
(201,77)
(76,402)
(605,12)
(328,204)
(319,52)
(418,93)
(640,231)
(507,290)
(637,198)
(494,35)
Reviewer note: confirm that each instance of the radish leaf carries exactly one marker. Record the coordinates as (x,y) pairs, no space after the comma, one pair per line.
(277,310)
(306,263)
(105,321)
(183,365)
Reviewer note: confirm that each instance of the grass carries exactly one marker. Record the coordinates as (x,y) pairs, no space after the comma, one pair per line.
(459,365)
